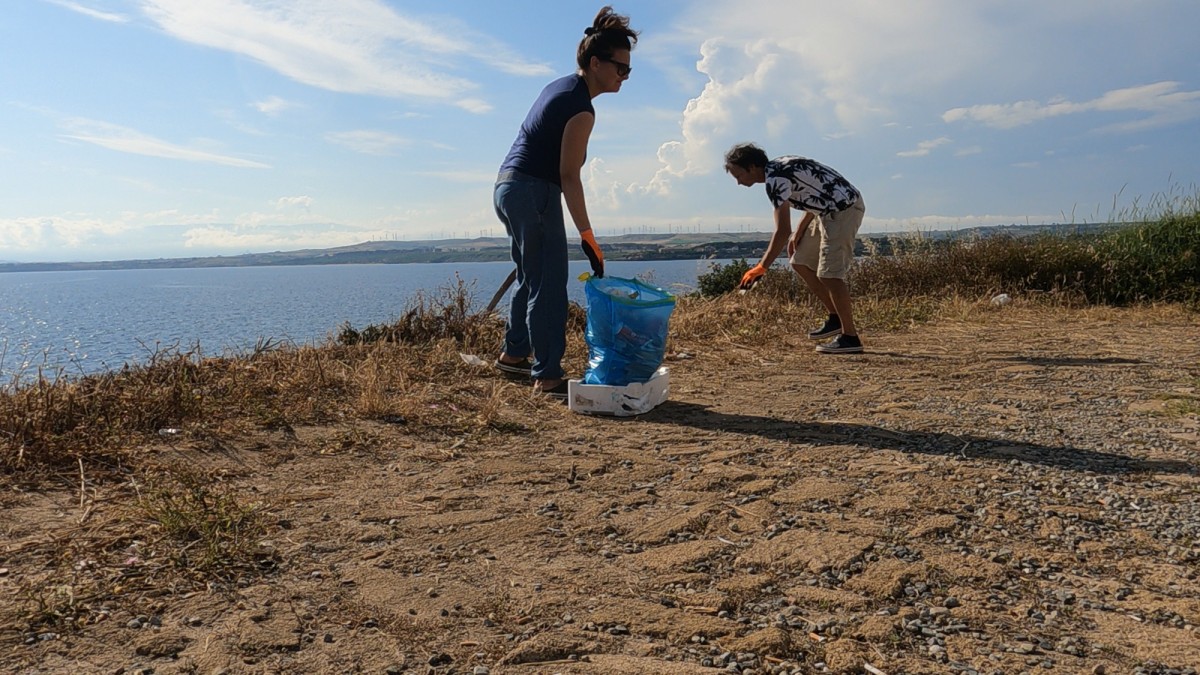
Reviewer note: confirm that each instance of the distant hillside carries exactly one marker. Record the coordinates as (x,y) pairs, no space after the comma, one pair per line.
(646,246)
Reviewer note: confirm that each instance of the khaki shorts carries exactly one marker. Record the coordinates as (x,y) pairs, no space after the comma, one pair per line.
(828,244)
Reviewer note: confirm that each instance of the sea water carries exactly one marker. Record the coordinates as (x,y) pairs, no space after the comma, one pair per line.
(82,322)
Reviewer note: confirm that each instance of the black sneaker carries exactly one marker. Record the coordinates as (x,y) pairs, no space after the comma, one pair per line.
(832,327)
(520,368)
(842,344)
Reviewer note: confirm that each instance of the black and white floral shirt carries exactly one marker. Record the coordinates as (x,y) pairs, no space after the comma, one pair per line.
(809,185)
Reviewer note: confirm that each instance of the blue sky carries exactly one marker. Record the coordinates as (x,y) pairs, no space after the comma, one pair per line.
(173,128)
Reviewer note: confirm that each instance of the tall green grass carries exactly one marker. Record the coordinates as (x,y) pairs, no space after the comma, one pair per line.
(1157,261)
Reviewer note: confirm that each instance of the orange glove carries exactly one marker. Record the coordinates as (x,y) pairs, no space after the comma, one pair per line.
(752,276)
(593,252)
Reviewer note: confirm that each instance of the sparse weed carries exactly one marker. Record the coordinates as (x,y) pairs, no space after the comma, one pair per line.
(1183,405)
(216,532)
(58,606)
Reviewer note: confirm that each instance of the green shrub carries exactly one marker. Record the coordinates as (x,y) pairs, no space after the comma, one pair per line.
(1157,261)
(721,279)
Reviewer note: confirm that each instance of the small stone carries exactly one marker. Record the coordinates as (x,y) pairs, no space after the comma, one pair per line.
(133,623)
(1024,648)
(480,670)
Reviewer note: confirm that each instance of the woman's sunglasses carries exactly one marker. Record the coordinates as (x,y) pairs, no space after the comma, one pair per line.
(623,69)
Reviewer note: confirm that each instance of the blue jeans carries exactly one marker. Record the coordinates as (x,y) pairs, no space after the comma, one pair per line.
(532,213)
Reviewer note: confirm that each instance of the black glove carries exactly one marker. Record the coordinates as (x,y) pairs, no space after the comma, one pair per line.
(593,252)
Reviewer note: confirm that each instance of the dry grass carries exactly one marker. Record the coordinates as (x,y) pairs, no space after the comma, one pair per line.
(409,373)
(53,425)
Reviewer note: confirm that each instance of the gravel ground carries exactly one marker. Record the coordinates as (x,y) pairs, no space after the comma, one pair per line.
(981,496)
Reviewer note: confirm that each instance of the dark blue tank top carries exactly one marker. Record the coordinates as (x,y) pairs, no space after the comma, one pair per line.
(538,148)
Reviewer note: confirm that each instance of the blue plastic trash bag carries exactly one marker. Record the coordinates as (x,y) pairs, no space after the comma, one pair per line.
(626,330)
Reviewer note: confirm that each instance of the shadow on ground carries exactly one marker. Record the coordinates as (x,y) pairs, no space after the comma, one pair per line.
(967,447)
(1072,361)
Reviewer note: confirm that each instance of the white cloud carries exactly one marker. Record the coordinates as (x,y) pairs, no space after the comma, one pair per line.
(815,74)
(352,46)
(272,106)
(304,202)
(173,217)
(709,112)
(88,11)
(368,142)
(475,105)
(27,234)
(124,139)
(924,148)
(1163,102)
(277,237)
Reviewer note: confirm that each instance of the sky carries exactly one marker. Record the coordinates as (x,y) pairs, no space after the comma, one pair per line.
(179,128)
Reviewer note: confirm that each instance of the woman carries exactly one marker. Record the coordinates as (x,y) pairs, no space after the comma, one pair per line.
(541,171)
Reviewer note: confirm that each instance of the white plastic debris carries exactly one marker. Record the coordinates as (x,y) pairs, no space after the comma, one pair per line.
(632,399)
(471,359)
(1001,300)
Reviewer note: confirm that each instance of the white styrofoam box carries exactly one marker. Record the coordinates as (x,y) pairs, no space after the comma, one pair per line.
(632,399)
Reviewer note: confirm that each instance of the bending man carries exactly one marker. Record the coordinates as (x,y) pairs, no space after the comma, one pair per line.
(822,249)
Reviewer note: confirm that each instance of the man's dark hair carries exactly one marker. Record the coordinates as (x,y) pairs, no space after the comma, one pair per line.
(608,33)
(745,155)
